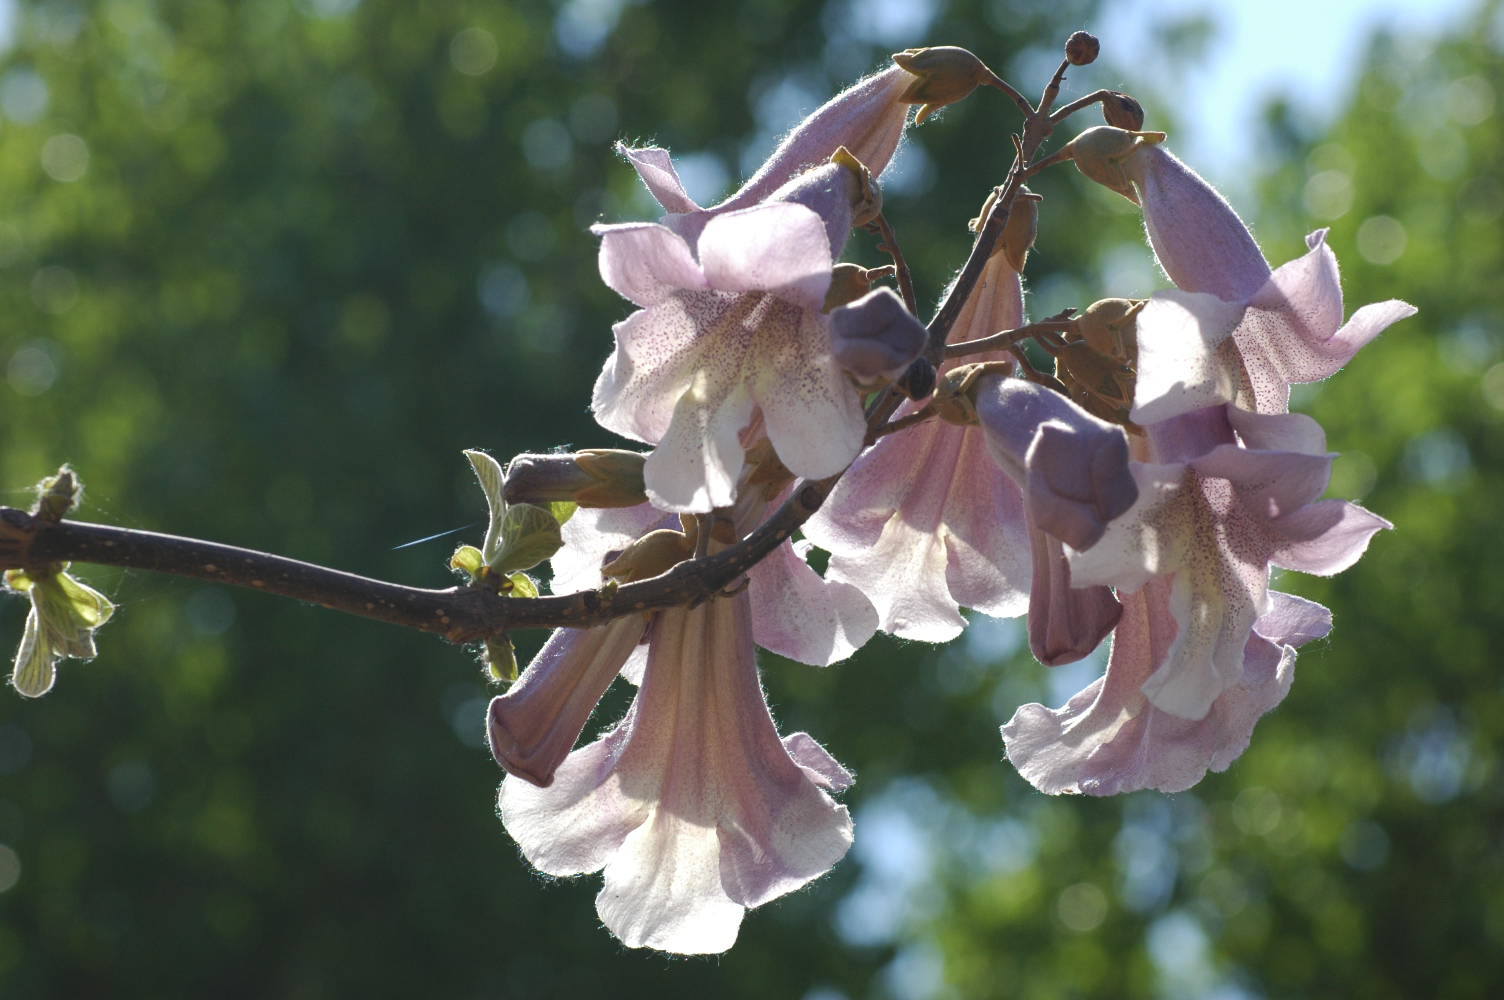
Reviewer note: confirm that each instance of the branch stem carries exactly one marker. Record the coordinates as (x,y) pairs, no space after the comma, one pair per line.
(460,614)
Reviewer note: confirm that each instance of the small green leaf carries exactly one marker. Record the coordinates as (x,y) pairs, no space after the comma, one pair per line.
(469,559)
(64,614)
(501,659)
(17,581)
(36,664)
(492,481)
(523,585)
(529,535)
(562,510)
(89,606)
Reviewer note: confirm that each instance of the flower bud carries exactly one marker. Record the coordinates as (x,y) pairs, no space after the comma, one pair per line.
(1109,326)
(1121,111)
(1099,153)
(875,338)
(849,282)
(1082,48)
(1022,228)
(867,201)
(595,477)
(919,381)
(947,73)
(654,553)
(1072,467)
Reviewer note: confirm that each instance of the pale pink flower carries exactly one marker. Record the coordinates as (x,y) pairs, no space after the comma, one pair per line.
(795,613)
(1214,517)
(730,327)
(923,523)
(868,119)
(1109,738)
(1292,330)
(692,805)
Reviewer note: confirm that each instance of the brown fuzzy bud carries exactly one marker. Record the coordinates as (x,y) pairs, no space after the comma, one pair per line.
(1098,153)
(595,477)
(946,73)
(849,282)
(1109,327)
(1021,229)
(1082,48)
(654,553)
(867,201)
(1122,111)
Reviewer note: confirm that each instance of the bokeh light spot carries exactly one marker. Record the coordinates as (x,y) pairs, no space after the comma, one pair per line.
(1381,239)
(65,157)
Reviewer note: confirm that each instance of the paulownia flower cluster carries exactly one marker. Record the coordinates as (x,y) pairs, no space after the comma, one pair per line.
(1127,473)
(1141,493)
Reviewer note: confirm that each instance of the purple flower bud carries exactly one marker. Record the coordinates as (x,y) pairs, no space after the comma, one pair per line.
(867,118)
(876,337)
(1199,240)
(1072,467)
(830,190)
(1065,622)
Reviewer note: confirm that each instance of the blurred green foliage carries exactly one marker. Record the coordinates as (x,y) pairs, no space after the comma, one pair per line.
(268,267)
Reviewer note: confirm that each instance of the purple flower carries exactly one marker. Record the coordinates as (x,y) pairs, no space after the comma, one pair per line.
(922,523)
(1214,518)
(1065,622)
(730,326)
(875,338)
(867,118)
(692,805)
(1292,330)
(1072,467)
(1109,738)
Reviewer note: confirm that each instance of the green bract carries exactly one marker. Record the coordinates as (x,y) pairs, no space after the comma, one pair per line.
(64,614)
(520,536)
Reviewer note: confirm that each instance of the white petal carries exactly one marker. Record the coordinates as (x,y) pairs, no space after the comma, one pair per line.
(774,247)
(646,262)
(813,415)
(663,889)
(1180,368)
(695,466)
(658,351)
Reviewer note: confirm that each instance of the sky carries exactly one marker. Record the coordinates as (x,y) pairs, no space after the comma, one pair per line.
(1263,48)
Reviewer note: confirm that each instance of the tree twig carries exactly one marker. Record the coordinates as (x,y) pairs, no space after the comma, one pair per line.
(460,614)
(900,264)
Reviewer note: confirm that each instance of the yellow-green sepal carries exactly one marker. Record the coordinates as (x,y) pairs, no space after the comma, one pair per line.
(501,660)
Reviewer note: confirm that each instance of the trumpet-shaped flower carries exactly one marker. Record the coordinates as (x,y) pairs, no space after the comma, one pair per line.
(692,805)
(923,523)
(1292,330)
(729,327)
(795,613)
(868,119)
(1216,519)
(1109,738)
